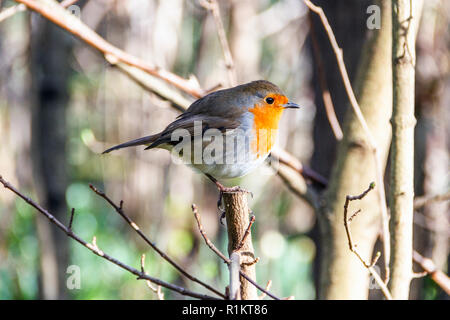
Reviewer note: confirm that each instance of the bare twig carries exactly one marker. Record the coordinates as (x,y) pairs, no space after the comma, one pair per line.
(247,232)
(441,279)
(157,289)
(55,13)
(373,145)
(268,286)
(205,237)
(258,286)
(352,246)
(150,83)
(72,213)
(292,162)
(213,6)
(326,96)
(94,248)
(9,12)
(120,211)
(420,202)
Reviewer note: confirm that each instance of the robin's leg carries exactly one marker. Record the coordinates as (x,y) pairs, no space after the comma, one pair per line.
(223,189)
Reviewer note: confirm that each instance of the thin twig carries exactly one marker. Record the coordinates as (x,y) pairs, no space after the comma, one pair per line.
(326,96)
(247,232)
(72,213)
(94,248)
(157,289)
(258,286)
(268,286)
(213,6)
(9,12)
(205,237)
(292,162)
(373,145)
(352,246)
(420,202)
(441,279)
(120,211)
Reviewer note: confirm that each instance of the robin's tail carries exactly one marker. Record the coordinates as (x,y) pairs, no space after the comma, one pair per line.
(136,142)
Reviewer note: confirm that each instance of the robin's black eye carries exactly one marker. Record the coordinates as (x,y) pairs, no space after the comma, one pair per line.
(269,100)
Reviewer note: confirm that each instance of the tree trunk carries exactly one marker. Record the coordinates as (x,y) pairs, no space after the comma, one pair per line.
(49,62)
(402,161)
(342,274)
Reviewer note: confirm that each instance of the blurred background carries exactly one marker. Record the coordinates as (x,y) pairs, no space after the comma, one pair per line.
(61,105)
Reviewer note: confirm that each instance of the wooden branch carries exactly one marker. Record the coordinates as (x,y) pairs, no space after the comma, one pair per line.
(53,11)
(237,218)
(326,96)
(152,84)
(268,286)
(156,290)
(121,212)
(205,237)
(420,202)
(9,12)
(213,6)
(373,145)
(298,186)
(402,149)
(352,245)
(441,279)
(96,250)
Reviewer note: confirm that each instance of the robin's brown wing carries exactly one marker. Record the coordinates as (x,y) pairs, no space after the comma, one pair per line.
(188,122)
(228,103)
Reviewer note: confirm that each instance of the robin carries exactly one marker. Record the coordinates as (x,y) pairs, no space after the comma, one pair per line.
(225,134)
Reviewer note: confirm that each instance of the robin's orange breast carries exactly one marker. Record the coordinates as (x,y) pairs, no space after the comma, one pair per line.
(265,125)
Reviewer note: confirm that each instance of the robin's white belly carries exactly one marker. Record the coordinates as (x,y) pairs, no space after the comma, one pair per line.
(228,155)
(231,170)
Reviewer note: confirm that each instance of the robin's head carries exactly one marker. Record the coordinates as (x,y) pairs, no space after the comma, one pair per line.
(266,102)
(265,94)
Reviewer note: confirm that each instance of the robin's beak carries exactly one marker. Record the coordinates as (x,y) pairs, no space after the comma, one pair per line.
(290,105)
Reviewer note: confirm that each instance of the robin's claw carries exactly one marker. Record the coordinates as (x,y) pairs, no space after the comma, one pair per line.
(220,202)
(222,217)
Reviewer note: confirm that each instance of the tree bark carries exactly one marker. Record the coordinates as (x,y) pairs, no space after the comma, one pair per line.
(342,274)
(237,217)
(402,161)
